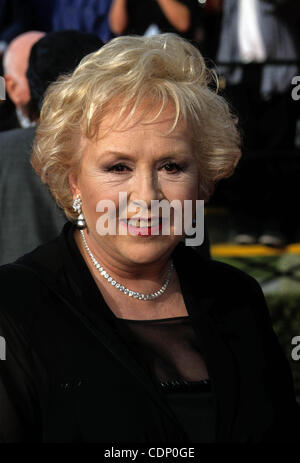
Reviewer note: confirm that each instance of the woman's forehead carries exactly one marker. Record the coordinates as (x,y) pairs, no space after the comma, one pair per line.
(151,139)
(145,118)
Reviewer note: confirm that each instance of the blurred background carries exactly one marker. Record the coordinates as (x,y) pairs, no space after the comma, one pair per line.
(253,218)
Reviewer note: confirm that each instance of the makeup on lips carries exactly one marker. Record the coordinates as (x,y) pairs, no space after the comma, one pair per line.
(142,226)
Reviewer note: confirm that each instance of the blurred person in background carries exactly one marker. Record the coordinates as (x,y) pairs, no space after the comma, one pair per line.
(28,212)
(153,17)
(253,32)
(89,16)
(14,112)
(16,18)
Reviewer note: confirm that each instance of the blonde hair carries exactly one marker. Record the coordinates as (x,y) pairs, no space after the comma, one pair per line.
(125,73)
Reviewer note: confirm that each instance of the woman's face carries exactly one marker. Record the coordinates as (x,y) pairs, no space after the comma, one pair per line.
(146,163)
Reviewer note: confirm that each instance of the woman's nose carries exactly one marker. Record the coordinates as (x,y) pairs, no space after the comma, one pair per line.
(146,187)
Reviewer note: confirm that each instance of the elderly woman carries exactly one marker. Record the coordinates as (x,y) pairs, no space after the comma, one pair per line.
(128,335)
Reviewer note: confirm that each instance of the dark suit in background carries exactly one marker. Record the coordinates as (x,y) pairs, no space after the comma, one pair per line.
(29,215)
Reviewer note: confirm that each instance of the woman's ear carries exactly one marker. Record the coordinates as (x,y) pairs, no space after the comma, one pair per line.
(73,182)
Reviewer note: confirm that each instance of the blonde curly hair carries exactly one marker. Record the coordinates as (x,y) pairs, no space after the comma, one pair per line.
(130,71)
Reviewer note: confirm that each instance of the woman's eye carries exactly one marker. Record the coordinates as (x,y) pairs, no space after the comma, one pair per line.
(118,168)
(172,167)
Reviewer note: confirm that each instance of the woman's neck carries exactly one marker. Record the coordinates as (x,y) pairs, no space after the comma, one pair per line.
(144,277)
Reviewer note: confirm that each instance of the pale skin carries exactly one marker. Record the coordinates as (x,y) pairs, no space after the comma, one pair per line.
(146,163)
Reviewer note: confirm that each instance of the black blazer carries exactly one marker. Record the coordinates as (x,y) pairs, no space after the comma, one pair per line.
(68,376)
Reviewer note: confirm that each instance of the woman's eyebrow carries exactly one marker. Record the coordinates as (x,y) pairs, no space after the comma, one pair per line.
(118,154)
(127,156)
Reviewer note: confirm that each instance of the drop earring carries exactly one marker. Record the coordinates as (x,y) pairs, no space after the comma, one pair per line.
(77,203)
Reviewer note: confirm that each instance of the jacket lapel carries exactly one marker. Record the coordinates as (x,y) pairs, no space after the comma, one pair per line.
(221,369)
(200,303)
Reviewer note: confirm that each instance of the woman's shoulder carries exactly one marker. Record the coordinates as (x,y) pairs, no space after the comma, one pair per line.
(228,291)
(213,274)
(229,276)
(46,258)
(24,282)
(26,268)
(232,295)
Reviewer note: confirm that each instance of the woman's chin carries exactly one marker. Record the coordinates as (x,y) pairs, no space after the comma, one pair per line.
(146,253)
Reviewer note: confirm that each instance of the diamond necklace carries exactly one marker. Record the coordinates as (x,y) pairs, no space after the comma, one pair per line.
(123,289)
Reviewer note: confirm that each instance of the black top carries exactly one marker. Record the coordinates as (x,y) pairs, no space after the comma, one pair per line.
(170,350)
(169,346)
(70,377)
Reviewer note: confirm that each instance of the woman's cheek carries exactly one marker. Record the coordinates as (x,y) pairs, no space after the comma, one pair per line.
(182,190)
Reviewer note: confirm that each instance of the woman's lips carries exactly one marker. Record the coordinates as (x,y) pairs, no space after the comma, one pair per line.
(142,230)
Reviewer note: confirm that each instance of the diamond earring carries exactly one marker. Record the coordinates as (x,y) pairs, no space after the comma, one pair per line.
(77,203)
